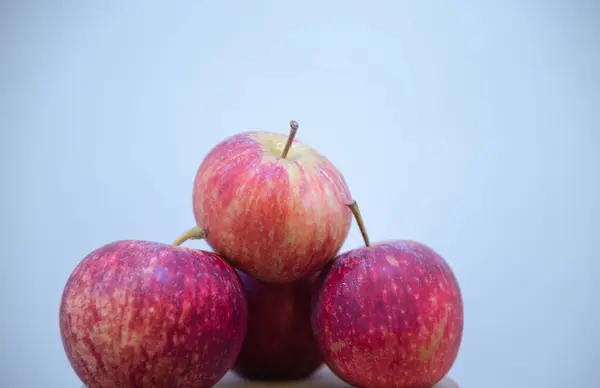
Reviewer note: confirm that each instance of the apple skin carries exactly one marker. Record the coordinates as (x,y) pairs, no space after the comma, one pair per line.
(389,316)
(277,219)
(279,343)
(144,314)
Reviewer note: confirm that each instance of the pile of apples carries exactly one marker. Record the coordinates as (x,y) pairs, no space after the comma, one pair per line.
(274,300)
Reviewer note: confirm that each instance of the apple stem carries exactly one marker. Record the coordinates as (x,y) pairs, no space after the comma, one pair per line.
(194,233)
(288,145)
(360,222)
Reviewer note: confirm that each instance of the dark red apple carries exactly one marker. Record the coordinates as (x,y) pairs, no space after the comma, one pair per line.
(389,315)
(279,342)
(145,314)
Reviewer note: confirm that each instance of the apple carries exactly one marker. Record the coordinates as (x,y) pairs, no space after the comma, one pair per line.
(388,315)
(145,314)
(273,206)
(279,343)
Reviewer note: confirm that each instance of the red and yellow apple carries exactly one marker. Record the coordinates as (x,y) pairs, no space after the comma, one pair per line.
(145,314)
(273,206)
(388,315)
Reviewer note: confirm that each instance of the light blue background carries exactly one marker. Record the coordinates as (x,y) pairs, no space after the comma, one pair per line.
(470,126)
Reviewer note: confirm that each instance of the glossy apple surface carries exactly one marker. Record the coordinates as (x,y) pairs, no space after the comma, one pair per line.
(279,343)
(145,314)
(389,316)
(277,219)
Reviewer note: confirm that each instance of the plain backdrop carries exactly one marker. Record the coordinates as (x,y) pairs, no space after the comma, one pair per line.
(473,127)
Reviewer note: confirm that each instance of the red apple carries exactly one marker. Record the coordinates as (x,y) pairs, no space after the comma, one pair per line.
(389,315)
(274,207)
(145,314)
(279,343)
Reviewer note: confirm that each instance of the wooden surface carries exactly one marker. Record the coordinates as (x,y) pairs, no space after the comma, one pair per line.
(322,379)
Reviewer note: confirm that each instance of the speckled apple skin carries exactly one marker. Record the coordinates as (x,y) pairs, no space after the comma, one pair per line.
(389,316)
(279,343)
(145,314)
(277,219)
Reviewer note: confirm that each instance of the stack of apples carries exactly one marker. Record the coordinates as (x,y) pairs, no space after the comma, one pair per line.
(273,299)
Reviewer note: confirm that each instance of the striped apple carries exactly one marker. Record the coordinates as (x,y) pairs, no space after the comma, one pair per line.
(273,206)
(388,315)
(145,314)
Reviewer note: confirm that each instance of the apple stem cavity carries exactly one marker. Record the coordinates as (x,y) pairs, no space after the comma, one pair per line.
(194,233)
(360,222)
(288,145)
